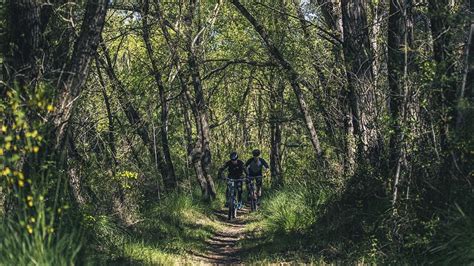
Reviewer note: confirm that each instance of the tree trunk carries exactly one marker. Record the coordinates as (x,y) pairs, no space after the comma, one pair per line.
(444,83)
(399,24)
(467,85)
(24,41)
(169,180)
(111,138)
(276,102)
(445,89)
(331,11)
(358,61)
(202,149)
(74,78)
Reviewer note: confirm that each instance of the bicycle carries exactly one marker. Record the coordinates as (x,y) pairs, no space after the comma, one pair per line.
(252,192)
(231,197)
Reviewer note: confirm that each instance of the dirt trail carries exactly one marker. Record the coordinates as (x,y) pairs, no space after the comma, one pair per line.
(223,247)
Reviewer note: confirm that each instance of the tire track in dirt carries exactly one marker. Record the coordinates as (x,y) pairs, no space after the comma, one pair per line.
(223,245)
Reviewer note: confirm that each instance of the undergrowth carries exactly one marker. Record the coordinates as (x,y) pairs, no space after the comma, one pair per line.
(168,232)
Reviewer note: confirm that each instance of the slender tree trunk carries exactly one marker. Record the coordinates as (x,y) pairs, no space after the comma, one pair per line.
(195,151)
(398,45)
(444,82)
(445,89)
(75,175)
(169,180)
(276,99)
(111,155)
(111,138)
(467,85)
(315,62)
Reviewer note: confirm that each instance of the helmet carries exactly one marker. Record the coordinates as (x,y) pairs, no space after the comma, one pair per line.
(256,152)
(234,156)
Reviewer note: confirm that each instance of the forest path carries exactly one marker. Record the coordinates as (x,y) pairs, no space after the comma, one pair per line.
(223,245)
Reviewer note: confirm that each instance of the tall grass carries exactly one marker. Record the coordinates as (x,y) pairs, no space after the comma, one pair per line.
(455,243)
(33,240)
(169,230)
(282,227)
(289,210)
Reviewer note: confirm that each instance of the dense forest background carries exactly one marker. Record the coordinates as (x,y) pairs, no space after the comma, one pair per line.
(116,115)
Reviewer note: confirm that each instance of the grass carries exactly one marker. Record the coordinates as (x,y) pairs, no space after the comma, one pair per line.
(32,240)
(167,233)
(455,243)
(277,232)
(273,234)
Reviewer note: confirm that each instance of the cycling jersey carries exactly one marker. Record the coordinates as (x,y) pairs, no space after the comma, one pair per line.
(236,171)
(256,166)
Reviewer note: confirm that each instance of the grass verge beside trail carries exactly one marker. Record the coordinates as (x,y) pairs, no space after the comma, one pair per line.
(167,233)
(277,231)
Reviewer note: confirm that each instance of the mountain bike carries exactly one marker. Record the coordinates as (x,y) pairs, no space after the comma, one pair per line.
(231,197)
(252,192)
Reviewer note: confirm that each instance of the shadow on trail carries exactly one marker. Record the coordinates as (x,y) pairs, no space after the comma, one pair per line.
(223,246)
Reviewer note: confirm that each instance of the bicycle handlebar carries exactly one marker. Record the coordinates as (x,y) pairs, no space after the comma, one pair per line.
(232,179)
(249,178)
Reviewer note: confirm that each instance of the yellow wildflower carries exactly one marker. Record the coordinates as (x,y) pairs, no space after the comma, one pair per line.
(1,151)
(29,229)
(4,129)
(32,220)
(50,230)
(30,203)
(36,149)
(50,108)
(6,171)
(21,183)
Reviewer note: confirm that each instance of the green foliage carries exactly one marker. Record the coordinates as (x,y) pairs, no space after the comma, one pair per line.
(35,239)
(35,230)
(288,210)
(454,244)
(164,234)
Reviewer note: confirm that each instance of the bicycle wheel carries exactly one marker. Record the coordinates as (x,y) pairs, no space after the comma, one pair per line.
(253,206)
(235,209)
(230,212)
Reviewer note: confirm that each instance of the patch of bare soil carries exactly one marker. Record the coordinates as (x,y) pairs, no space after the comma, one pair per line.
(222,246)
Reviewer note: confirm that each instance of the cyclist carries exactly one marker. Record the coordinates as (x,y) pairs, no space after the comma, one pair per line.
(236,170)
(255,166)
